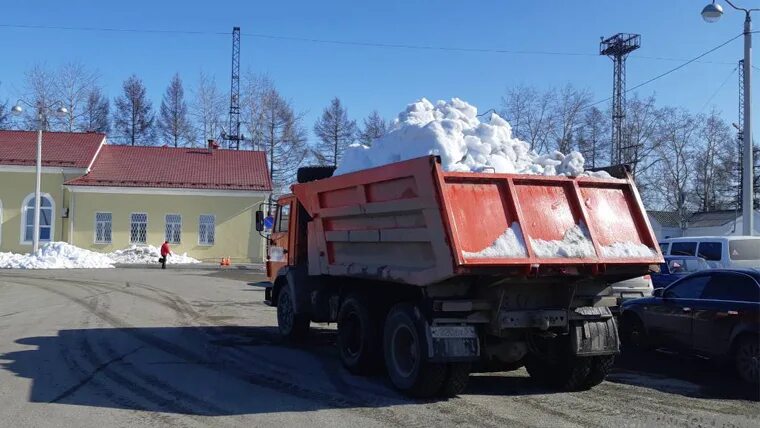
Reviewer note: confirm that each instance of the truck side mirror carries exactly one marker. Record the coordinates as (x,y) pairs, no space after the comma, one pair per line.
(259,221)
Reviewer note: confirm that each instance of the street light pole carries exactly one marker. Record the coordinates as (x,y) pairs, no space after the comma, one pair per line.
(748,209)
(42,109)
(712,13)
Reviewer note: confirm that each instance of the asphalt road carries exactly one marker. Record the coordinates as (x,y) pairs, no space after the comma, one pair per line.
(134,347)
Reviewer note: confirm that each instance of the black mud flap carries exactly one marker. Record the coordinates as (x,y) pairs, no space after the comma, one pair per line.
(594,337)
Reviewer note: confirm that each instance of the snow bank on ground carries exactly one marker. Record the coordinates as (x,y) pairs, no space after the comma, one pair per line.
(141,254)
(575,243)
(627,250)
(60,255)
(56,255)
(453,131)
(510,244)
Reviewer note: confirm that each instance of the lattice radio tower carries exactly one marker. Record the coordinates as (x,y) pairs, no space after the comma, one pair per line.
(617,48)
(233,136)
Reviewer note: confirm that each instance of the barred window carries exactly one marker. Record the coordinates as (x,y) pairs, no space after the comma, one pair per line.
(103,228)
(138,228)
(206,229)
(174,228)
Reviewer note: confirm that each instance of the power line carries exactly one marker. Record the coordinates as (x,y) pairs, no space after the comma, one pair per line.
(661,75)
(709,100)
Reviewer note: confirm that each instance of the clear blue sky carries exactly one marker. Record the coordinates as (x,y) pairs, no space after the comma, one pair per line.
(386,79)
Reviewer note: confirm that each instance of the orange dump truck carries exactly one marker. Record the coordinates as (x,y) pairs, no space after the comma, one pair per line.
(435,274)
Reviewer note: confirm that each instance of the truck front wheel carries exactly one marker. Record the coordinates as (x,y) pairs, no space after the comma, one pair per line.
(568,373)
(406,354)
(292,326)
(358,333)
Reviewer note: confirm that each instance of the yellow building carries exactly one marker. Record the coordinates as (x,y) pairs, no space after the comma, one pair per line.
(105,197)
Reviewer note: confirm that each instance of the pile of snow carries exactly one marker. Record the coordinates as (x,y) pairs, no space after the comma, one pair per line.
(627,250)
(142,254)
(56,255)
(453,131)
(510,244)
(575,243)
(60,255)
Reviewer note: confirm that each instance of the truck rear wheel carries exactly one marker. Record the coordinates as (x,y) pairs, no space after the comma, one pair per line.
(358,340)
(457,377)
(292,326)
(406,354)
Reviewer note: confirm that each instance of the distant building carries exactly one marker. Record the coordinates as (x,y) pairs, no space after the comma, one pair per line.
(105,197)
(667,224)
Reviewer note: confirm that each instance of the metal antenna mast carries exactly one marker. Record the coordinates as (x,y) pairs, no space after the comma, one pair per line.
(234,137)
(617,48)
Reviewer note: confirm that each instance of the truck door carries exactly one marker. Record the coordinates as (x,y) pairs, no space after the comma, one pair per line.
(720,310)
(279,240)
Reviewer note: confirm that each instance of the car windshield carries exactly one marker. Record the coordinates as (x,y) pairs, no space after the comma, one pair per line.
(687,265)
(744,249)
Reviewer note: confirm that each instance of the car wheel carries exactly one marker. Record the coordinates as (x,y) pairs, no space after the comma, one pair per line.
(633,335)
(747,359)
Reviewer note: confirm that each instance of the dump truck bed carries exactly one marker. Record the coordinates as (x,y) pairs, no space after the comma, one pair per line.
(414,223)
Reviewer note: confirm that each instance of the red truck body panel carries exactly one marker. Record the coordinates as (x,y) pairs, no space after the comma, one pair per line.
(412,222)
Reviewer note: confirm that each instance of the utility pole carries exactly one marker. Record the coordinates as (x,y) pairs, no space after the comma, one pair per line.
(617,48)
(233,136)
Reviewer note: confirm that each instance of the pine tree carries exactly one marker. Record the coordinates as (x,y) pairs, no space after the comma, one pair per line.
(95,115)
(208,107)
(133,118)
(173,123)
(335,132)
(374,128)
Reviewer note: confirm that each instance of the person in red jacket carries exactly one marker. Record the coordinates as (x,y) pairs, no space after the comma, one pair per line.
(165,252)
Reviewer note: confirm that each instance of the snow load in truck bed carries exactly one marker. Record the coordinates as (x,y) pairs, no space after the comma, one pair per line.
(453,131)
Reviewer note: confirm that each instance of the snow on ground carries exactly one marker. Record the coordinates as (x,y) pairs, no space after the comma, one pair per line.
(627,250)
(453,131)
(575,243)
(510,244)
(60,255)
(141,254)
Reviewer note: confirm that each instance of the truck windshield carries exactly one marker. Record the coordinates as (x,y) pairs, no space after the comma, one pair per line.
(744,249)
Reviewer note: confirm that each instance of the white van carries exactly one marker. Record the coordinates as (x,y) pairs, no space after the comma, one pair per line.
(718,251)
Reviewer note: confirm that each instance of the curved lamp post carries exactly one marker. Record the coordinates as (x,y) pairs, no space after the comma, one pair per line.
(712,13)
(41,109)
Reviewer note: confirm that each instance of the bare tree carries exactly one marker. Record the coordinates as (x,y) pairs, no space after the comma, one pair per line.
(133,118)
(530,114)
(712,178)
(677,133)
(94,117)
(173,124)
(593,137)
(208,107)
(255,91)
(283,137)
(40,89)
(567,114)
(73,84)
(335,131)
(374,128)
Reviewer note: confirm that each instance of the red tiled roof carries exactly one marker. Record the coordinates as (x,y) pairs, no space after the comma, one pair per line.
(183,168)
(61,149)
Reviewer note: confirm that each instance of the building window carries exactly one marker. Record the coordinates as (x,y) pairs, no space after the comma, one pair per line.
(174,228)
(138,228)
(206,229)
(47,210)
(103,228)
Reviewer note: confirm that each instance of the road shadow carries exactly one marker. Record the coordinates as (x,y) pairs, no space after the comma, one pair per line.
(682,375)
(193,370)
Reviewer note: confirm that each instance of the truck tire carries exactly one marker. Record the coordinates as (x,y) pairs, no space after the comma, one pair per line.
(405,349)
(567,373)
(306,174)
(457,377)
(599,369)
(747,359)
(292,326)
(358,332)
